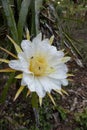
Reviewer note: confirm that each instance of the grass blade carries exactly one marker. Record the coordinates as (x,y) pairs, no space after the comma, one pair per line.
(6,88)
(10,19)
(19,4)
(71,42)
(22,17)
(38,5)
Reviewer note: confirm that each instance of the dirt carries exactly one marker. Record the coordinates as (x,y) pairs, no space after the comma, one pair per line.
(75,102)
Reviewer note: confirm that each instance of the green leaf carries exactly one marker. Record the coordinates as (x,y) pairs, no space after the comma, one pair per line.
(63,112)
(19,4)
(22,17)
(38,5)
(6,87)
(10,19)
(35,8)
(71,42)
(33,26)
(34,100)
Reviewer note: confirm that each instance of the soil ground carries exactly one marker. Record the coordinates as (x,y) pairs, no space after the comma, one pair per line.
(20,110)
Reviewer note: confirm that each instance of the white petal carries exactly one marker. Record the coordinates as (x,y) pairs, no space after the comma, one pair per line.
(39,88)
(21,64)
(23,83)
(56,84)
(28,79)
(49,84)
(42,46)
(58,75)
(17,65)
(24,62)
(45,49)
(65,59)
(60,72)
(51,50)
(45,41)
(54,57)
(27,48)
(22,57)
(37,39)
(61,67)
(60,54)
(32,87)
(45,83)
(25,44)
(64,82)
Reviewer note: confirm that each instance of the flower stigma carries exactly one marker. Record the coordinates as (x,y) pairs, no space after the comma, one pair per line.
(38,65)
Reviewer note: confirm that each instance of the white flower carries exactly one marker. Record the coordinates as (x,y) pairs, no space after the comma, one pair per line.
(43,67)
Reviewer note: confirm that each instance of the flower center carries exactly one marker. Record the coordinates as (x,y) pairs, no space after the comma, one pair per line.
(38,65)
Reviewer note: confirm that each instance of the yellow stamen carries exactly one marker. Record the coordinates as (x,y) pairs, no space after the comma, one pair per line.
(63,91)
(71,80)
(70,75)
(4,60)
(58,91)
(40,101)
(51,39)
(8,52)
(7,70)
(51,98)
(19,76)
(27,34)
(18,92)
(18,49)
(65,59)
(50,70)
(28,93)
